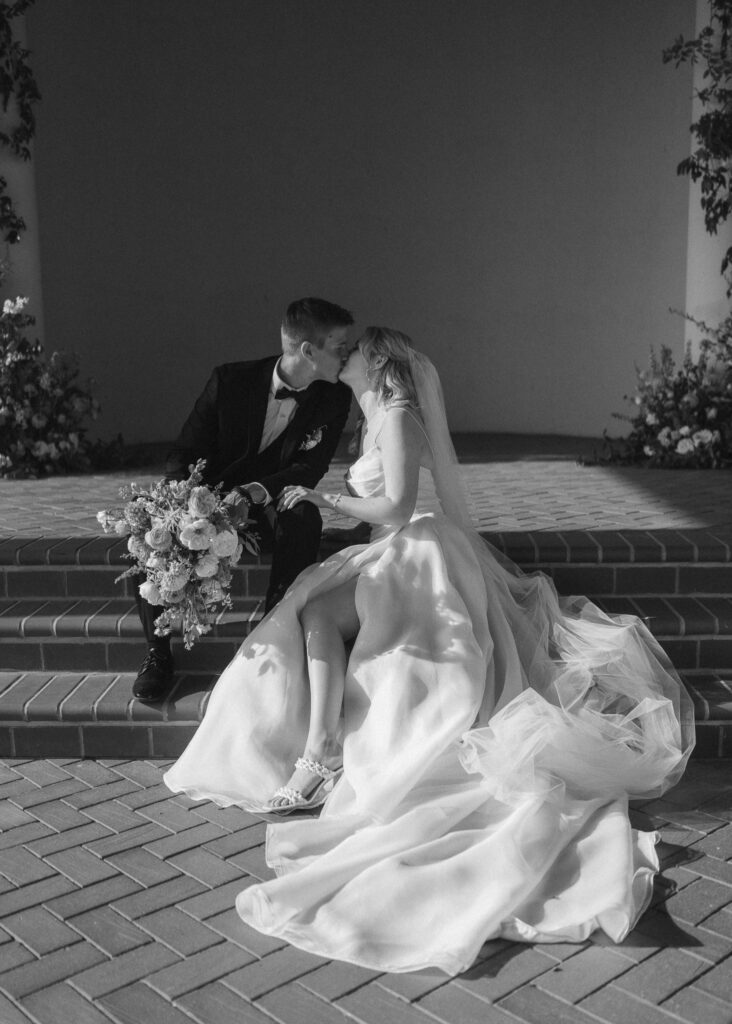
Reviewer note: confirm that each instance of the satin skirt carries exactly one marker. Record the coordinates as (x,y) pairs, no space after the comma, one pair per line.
(492,737)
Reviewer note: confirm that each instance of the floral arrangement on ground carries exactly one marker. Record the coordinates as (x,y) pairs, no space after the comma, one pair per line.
(43,406)
(683,414)
(181,539)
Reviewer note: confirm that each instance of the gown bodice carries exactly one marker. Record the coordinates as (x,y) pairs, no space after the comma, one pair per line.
(365,479)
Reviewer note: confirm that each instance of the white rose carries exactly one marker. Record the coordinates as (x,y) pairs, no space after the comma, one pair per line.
(150,592)
(685,446)
(685,431)
(121,528)
(651,419)
(207,566)
(702,437)
(224,543)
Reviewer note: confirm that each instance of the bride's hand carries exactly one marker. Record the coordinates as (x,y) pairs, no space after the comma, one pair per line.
(292,495)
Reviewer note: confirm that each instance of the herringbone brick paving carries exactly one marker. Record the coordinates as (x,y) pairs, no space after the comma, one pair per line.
(117,905)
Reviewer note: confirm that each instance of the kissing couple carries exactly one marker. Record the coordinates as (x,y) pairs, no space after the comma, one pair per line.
(443,747)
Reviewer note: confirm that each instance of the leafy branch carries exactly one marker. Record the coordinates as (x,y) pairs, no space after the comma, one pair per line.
(17,85)
(710,163)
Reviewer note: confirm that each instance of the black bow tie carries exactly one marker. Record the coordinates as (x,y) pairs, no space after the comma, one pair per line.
(297,396)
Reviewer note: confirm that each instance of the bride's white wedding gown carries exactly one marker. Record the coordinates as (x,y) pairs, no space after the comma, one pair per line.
(492,735)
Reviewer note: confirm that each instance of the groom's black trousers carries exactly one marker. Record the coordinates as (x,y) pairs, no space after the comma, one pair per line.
(292,537)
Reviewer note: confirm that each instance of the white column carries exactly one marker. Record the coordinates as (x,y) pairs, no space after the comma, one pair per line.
(706,297)
(24,276)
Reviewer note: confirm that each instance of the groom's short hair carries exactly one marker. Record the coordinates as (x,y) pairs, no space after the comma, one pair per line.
(309,319)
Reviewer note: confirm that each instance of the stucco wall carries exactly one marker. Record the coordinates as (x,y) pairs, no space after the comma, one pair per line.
(496,178)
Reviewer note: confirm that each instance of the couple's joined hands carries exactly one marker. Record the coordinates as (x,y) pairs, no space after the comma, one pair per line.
(240,502)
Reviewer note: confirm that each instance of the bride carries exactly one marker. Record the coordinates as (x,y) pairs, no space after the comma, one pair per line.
(473,739)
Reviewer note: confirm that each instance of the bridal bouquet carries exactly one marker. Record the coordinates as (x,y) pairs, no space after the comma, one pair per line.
(181,538)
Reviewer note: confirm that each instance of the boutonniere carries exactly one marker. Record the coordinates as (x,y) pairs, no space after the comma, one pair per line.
(311,439)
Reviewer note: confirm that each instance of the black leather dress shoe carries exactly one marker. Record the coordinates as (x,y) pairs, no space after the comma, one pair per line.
(155,677)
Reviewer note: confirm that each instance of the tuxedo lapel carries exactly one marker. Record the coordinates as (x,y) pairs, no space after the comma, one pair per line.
(257,404)
(295,430)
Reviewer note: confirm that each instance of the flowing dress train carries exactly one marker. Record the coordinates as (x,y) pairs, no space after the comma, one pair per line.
(493,734)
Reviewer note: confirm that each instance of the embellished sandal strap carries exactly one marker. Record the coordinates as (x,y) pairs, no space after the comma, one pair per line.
(293,796)
(315,767)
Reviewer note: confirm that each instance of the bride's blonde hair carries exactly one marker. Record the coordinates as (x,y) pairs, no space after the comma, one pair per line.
(387,353)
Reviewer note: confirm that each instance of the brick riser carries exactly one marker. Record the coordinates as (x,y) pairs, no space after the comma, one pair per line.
(70,640)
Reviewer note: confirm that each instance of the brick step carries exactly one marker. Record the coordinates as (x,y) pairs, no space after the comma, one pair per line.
(94,618)
(99,635)
(670,616)
(531,548)
(77,714)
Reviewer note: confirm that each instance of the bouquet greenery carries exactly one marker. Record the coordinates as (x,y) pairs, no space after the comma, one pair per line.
(180,537)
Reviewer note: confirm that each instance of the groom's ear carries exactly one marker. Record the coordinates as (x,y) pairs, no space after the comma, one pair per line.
(306,351)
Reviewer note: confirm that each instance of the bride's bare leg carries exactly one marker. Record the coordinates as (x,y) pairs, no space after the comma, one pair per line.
(328,621)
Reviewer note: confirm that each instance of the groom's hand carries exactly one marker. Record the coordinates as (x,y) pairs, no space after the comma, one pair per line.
(238,504)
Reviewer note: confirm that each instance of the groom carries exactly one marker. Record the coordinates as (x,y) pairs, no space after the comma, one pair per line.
(262,425)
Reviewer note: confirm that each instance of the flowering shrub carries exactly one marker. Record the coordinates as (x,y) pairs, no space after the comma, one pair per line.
(42,406)
(683,414)
(181,539)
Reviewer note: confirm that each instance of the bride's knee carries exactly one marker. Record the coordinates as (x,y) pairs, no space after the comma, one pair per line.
(315,613)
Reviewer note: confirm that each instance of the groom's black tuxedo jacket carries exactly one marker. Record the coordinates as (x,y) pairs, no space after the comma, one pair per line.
(225,428)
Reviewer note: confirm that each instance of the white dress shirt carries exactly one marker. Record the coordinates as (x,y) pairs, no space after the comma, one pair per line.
(279,410)
(279,413)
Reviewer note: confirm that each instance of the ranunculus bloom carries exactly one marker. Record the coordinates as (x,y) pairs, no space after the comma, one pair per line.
(121,528)
(158,537)
(155,561)
(197,534)
(206,566)
(224,543)
(685,446)
(201,502)
(150,592)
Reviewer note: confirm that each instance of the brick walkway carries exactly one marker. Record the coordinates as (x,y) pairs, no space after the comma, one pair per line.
(116,904)
(514,482)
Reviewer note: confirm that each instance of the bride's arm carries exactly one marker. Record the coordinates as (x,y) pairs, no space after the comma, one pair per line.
(400,441)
